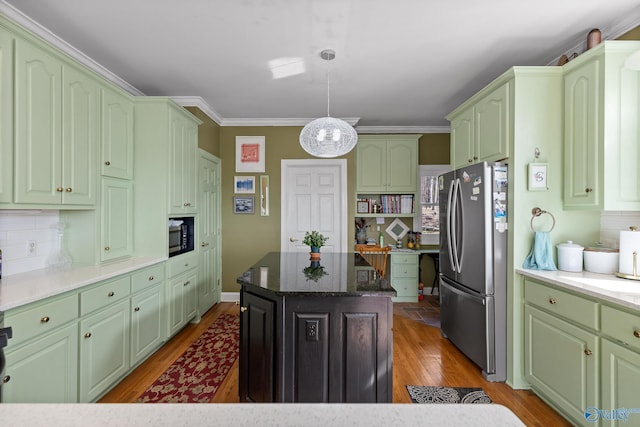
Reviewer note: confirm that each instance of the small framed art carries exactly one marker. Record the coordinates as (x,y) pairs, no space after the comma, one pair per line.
(363,206)
(244,184)
(538,176)
(243,204)
(249,153)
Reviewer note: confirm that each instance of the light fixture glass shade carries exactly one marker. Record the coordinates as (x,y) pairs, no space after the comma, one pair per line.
(328,137)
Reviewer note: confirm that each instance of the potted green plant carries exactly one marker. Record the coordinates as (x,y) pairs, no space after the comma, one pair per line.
(315,240)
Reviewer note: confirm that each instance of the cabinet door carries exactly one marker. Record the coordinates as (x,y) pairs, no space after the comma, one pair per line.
(45,370)
(182,300)
(6,116)
(581,123)
(117,219)
(80,132)
(146,322)
(38,104)
(117,135)
(258,371)
(402,165)
(462,139)
(561,362)
(183,172)
(371,169)
(190,170)
(620,380)
(492,126)
(104,350)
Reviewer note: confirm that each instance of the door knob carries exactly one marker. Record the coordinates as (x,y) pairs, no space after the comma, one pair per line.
(243,309)
(293,239)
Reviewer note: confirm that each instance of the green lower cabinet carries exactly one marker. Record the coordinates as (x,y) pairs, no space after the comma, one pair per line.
(182,294)
(146,322)
(404,276)
(620,383)
(104,350)
(45,370)
(562,363)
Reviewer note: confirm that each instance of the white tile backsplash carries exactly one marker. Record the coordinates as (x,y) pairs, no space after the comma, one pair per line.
(17,229)
(612,222)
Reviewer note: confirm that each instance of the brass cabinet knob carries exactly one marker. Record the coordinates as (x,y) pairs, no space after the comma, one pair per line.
(552,301)
(203,244)
(107,248)
(136,309)
(636,333)
(68,190)
(588,352)
(6,379)
(108,163)
(44,319)
(187,283)
(588,190)
(110,294)
(186,264)
(470,161)
(243,309)
(151,278)
(87,335)
(186,204)
(59,189)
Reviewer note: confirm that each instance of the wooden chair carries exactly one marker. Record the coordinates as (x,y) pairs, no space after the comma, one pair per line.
(376,256)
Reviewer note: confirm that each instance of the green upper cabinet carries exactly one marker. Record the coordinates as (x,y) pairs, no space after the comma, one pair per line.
(6,116)
(387,163)
(117,218)
(117,135)
(183,163)
(57,126)
(601,132)
(480,131)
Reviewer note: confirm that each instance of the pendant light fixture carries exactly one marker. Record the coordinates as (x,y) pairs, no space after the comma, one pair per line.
(327,136)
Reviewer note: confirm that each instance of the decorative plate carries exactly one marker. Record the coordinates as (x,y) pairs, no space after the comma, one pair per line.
(397,229)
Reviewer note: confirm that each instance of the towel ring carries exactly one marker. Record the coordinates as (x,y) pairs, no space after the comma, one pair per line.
(537,212)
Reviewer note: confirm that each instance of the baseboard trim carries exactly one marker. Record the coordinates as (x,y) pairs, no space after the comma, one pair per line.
(230,297)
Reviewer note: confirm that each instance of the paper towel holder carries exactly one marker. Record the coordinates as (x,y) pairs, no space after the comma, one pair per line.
(633,276)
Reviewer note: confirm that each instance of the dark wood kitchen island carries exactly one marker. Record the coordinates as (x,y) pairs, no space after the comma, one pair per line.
(315,335)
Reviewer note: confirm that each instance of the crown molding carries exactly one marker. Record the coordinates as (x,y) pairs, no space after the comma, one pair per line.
(403,129)
(279,121)
(37,29)
(609,32)
(197,101)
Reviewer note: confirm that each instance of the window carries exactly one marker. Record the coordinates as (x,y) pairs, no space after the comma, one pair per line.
(428,219)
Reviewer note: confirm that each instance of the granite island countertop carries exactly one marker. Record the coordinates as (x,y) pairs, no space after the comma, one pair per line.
(336,274)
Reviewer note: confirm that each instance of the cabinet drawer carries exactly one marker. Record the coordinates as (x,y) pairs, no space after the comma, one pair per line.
(41,317)
(404,259)
(147,277)
(404,270)
(622,326)
(405,287)
(181,263)
(104,294)
(572,307)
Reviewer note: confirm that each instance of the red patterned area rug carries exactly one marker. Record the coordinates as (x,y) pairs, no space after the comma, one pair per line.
(196,375)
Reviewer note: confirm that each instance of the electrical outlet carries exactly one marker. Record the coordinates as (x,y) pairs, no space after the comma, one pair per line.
(31,247)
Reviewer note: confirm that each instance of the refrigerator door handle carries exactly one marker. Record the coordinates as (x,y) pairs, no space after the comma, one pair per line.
(449,224)
(455,232)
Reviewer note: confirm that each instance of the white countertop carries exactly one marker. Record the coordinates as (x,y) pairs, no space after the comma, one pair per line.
(607,287)
(246,414)
(24,288)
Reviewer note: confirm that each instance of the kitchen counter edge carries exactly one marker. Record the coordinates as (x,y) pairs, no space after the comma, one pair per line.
(24,288)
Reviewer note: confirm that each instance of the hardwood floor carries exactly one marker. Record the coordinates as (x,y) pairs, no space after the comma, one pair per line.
(421,357)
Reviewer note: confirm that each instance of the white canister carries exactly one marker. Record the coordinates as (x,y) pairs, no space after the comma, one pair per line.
(570,256)
(630,244)
(600,259)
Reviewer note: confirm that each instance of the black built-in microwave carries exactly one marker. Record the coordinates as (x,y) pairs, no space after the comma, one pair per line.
(181,235)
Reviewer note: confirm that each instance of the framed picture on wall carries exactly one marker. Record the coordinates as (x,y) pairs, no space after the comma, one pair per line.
(244,184)
(243,204)
(249,153)
(538,176)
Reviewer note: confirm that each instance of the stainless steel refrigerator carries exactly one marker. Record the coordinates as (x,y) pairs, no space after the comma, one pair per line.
(473,264)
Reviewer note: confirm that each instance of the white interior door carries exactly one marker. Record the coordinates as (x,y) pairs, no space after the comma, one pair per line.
(209,231)
(314,197)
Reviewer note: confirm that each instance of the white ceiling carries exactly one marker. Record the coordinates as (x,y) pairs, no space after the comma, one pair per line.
(400,64)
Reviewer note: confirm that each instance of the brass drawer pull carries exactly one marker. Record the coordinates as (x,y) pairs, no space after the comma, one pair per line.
(636,333)
(243,309)
(588,352)
(87,335)
(6,379)
(136,309)
(552,301)
(151,277)
(59,189)
(45,319)
(110,294)
(107,248)
(68,190)
(108,163)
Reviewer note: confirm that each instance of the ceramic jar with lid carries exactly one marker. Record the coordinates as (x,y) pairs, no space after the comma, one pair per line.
(570,256)
(601,259)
